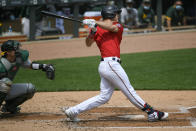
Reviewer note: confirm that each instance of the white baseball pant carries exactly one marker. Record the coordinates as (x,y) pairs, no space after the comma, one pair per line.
(112,75)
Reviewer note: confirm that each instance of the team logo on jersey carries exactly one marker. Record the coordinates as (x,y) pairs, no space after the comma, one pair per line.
(118,25)
(14,68)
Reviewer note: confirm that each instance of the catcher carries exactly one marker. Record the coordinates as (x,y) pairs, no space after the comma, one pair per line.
(11,60)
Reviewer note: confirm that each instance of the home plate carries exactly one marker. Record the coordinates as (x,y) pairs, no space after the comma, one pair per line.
(132,117)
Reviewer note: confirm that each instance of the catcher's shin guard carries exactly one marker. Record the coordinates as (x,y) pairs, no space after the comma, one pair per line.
(2,97)
(12,104)
(12,111)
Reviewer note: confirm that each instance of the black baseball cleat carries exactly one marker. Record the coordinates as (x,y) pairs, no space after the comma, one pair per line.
(157,115)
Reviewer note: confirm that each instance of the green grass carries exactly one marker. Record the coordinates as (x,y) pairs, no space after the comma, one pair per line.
(164,70)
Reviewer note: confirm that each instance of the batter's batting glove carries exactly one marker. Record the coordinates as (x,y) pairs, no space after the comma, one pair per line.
(90,22)
(50,71)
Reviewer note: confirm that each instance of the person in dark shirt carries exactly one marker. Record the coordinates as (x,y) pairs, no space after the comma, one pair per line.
(175,15)
(146,15)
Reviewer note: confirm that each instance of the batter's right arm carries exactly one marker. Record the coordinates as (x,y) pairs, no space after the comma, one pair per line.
(107,26)
(90,39)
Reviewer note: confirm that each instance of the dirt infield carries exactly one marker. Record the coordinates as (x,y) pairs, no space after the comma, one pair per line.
(43,112)
(130,44)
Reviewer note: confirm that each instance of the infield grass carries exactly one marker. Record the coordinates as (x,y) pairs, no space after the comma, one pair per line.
(163,70)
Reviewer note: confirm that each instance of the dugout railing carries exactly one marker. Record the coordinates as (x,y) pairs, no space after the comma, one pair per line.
(83,32)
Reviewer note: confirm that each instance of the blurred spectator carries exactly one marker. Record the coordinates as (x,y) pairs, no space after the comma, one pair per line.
(110,2)
(118,3)
(60,22)
(25,26)
(7,15)
(129,15)
(146,15)
(25,21)
(175,15)
(39,23)
(11,15)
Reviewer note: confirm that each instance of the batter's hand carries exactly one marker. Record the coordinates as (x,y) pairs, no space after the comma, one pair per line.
(90,22)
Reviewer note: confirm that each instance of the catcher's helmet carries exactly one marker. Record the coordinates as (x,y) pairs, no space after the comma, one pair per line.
(10,45)
(109,12)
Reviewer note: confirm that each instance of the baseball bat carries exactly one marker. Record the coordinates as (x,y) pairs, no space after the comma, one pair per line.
(59,16)
(68,18)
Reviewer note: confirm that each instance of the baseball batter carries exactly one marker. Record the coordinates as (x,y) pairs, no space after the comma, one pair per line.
(12,59)
(108,35)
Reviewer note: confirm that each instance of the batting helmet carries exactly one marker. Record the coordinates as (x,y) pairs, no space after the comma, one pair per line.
(109,12)
(10,45)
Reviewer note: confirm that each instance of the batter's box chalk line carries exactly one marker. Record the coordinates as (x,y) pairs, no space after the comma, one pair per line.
(192,120)
(134,117)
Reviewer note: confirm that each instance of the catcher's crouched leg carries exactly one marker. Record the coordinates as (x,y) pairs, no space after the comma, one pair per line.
(18,94)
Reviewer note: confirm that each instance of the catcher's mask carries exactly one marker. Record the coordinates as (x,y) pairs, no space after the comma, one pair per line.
(9,46)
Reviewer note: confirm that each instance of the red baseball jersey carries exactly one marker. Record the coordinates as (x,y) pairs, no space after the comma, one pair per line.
(109,42)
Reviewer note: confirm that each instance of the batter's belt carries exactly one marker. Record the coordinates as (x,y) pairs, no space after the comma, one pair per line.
(111,58)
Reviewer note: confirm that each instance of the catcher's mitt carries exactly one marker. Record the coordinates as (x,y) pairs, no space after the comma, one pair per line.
(50,71)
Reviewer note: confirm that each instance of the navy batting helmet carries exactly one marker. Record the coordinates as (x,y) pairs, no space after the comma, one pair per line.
(109,12)
(10,45)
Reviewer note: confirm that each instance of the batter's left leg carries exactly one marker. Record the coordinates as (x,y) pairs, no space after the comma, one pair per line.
(121,80)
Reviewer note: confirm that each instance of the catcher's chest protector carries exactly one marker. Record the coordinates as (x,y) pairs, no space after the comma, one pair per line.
(9,69)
